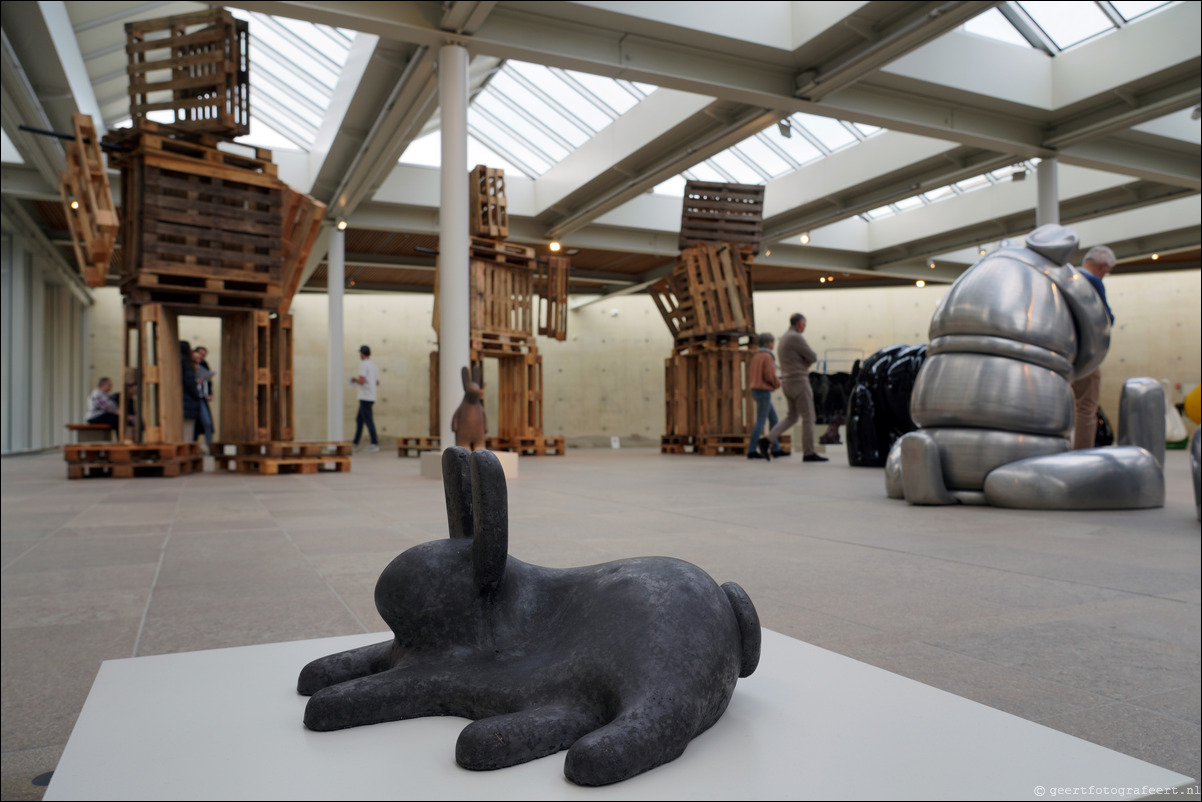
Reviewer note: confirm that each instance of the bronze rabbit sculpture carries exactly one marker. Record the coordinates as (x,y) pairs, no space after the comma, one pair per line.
(621,664)
(469,423)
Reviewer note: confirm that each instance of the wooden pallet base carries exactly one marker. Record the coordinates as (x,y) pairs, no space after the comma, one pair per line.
(530,446)
(132,460)
(271,466)
(282,449)
(714,445)
(414,446)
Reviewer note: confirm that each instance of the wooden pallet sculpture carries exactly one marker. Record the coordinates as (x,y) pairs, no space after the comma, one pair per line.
(706,302)
(504,280)
(206,228)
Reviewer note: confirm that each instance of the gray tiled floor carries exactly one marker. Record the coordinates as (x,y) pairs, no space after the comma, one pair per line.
(1085,622)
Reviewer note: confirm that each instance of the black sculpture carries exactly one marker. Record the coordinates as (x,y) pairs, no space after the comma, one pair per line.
(622,664)
(879,407)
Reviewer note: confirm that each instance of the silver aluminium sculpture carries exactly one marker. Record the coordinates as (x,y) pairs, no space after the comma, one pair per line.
(994,401)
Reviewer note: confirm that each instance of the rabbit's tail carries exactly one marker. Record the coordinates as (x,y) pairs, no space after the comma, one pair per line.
(749,627)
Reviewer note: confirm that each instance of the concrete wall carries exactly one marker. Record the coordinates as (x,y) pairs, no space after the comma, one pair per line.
(607,378)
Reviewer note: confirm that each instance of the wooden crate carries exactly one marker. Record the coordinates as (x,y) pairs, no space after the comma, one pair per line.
(706,393)
(88,203)
(708,292)
(489,214)
(551,285)
(194,65)
(717,213)
(520,396)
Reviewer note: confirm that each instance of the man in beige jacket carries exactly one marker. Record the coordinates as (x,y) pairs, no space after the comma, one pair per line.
(795,357)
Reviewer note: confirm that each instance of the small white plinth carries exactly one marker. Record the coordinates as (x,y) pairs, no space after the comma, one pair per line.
(432,464)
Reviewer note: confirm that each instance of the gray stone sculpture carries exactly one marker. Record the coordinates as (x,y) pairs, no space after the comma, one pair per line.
(994,401)
(469,423)
(622,664)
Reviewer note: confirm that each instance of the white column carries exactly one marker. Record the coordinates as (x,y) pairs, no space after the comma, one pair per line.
(453,286)
(1047,208)
(337,382)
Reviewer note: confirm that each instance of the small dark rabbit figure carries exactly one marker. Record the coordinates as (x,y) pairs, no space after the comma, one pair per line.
(469,422)
(622,664)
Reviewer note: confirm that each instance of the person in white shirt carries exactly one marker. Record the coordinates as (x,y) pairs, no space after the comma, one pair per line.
(368,380)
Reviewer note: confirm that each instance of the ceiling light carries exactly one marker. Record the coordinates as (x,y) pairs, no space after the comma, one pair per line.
(805,239)
(981,250)
(342,225)
(931,265)
(1155,256)
(74,204)
(822,280)
(767,253)
(554,246)
(920,283)
(786,130)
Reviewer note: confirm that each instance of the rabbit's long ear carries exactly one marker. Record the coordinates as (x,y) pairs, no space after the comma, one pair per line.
(490,546)
(478,373)
(465,376)
(457,484)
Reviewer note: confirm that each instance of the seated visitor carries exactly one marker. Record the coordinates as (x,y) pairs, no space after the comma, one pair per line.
(102,404)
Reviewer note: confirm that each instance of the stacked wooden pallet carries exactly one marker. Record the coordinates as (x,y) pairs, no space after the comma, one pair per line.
(718,213)
(194,66)
(130,460)
(273,458)
(414,446)
(708,293)
(88,203)
(489,206)
(537,446)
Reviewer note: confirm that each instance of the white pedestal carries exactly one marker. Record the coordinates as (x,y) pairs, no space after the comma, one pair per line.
(808,724)
(432,464)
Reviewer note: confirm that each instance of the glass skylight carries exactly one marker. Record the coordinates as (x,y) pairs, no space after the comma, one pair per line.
(1055,25)
(1067,23)
(771,154)
(295,67)
(529,117)
(994,25)
(8,151)
(951,190)
(1136,8)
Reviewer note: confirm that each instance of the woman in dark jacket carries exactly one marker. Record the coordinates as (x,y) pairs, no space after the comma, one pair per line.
(191,392)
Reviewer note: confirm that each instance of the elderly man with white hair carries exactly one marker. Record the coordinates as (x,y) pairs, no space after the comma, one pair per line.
(1098,262)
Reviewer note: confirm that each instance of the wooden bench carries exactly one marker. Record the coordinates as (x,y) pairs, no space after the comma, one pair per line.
(92,432)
